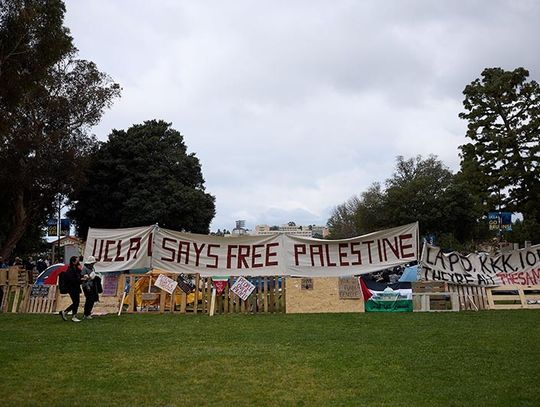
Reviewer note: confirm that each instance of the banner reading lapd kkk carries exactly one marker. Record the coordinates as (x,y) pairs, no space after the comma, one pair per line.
(276,254)
(520,267)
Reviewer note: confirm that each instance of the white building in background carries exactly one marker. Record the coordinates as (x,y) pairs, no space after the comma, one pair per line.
(240,228)
(292,229)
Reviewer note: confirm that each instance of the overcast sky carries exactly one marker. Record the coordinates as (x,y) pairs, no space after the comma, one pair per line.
(293,107)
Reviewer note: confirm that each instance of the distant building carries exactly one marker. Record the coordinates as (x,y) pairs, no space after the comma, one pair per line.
(292,229)
(240,228)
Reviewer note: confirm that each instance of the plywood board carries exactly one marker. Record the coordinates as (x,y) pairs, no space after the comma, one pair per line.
(324,297)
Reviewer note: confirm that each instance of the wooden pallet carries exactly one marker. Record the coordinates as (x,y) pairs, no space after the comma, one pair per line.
(13,298)
(44,302)
(26,298)
(268,297)
(471,298)
(429,296)
(514,297)
(436,302)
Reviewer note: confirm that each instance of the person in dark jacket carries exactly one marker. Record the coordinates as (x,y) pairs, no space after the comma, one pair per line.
(73,279)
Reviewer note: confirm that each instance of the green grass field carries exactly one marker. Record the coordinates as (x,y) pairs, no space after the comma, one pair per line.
(416,359)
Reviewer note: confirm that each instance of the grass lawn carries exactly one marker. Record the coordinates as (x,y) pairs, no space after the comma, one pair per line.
(410,359)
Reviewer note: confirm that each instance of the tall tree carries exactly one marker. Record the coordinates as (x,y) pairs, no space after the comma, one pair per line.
(503,113)
(415,191)
(422,190)
(142,176)
(48,102)
(342,222)
(371,212)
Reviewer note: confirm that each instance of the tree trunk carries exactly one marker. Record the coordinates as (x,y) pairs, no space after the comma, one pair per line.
(18,226)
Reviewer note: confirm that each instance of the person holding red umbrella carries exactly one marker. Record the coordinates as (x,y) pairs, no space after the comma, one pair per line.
(73,282)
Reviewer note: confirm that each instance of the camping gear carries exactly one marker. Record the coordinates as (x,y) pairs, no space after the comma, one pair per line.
(409,275)
(50,274)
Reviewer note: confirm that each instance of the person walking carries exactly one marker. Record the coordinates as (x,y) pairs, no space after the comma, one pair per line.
(73,280)
(89,285)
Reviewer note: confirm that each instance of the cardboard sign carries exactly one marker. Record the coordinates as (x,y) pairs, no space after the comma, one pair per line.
(166,283)
(243,288)
(349,288)
(110,284)
(185,283)
(306,284)
(39,291)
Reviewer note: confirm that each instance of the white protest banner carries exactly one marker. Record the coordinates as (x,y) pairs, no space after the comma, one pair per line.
(520,267)
(282,254)
(271,255)
(243,288)
(210,256)
(308,257)
(166,283)
(120,249)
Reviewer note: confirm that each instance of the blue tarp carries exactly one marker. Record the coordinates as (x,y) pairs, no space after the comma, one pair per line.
(409,274)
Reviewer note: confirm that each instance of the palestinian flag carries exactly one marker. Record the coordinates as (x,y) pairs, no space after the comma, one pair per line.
(381,297)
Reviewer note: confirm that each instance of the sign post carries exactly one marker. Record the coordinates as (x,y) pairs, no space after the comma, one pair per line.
(213,302)
(126,290)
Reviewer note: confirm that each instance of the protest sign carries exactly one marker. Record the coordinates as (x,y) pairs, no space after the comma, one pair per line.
(185,283)
(520,267)
(219,284)
(166,283)
(243,288)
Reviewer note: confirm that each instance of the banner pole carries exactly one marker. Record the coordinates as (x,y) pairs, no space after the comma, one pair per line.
(156,228)
(122,303)
(127,287)
(213,302)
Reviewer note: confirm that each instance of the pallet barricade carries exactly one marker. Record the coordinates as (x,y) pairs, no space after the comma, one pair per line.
(471,298)
(41,299)
(13,297)
(143,296)
(14,289)
(514,297)
(433,296)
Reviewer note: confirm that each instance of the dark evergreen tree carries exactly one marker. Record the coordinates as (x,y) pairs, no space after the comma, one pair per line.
(144,176)
(502,162)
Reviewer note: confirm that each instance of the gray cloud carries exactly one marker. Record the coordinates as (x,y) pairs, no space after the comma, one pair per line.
(293,107)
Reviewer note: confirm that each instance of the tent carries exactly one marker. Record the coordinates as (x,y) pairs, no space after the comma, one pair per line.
(50,274)
(142,285)
(409,275)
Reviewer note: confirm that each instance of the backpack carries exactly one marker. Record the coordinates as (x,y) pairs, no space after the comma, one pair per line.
(63,285)
(97,284)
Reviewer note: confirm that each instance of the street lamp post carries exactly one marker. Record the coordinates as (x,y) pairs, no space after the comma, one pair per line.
(59,225)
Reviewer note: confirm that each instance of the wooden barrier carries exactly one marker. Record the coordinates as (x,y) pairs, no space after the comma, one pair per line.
(433,296)
(13,298)
(14,289)
(514,297)
(41,299)
(268,296)
(28,298)
(471,298)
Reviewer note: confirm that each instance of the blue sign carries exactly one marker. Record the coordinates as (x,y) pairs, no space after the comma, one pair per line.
(500,221)
(52,226)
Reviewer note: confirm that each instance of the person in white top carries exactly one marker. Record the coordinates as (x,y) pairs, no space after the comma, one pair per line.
(88,278)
